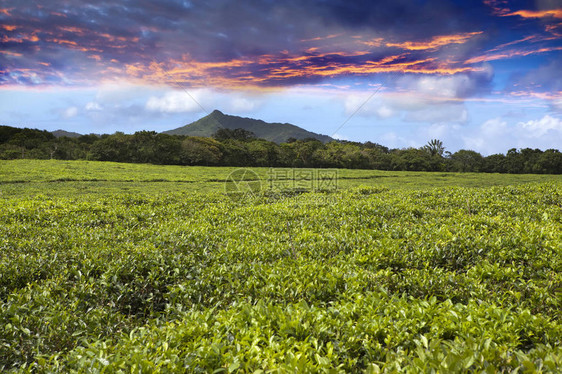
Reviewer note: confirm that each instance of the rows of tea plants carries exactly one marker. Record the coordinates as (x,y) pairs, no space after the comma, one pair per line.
(57,178)
(366,279)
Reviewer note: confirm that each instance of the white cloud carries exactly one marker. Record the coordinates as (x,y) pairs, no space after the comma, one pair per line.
(116,92)
(361,105)
(454,86)
(545,126)
(442,114)
(429,99)
(447,87)
(194,101)
(442,131)
(490,137)
(70,112)
(556,104)
(243,104)
(496,135)
(384,106)
(339,137)
(92,106)
(494,127)
(179,102)
(384,111)
(412,107)
(393,140)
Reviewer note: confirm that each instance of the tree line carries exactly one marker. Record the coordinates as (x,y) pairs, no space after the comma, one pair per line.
(241,148)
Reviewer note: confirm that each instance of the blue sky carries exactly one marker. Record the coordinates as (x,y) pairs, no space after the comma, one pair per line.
(481,75)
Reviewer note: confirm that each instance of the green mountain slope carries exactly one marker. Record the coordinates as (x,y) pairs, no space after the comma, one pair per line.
(276,132)
(69,134)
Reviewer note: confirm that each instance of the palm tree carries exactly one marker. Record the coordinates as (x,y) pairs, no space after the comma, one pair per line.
(435,147)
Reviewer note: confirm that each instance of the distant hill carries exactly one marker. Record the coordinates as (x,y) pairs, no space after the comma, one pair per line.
(276,132)
(68,134)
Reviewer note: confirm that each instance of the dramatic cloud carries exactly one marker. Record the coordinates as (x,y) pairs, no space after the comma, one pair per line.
(554,13)
(255,43)
(160,64)
(436,41)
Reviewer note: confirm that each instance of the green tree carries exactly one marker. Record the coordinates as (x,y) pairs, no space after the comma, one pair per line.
(201,151)
(304,151)
(411,159)
(549,162)
(263,152)
(495,164)
(466,160)
(435,147)
(237,134)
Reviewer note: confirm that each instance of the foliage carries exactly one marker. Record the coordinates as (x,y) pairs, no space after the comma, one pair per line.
(435,147)
(238,134)
(364,279)
(239,147)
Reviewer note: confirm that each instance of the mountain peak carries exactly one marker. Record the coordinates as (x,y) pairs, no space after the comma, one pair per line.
(275,132)
(62,133)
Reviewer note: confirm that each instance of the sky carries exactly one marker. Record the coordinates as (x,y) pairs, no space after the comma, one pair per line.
(483,75)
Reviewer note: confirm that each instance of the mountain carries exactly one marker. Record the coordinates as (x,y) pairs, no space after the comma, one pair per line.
(276,132)
(68,134)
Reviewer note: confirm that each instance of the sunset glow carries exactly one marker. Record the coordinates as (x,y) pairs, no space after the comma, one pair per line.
(496,57)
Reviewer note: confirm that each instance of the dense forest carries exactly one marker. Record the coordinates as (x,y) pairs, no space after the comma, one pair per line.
(241,148)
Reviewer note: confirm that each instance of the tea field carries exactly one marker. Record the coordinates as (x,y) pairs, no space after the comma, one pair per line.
(108,267)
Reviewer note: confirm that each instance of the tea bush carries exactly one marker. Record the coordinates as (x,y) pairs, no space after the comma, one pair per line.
(371,279)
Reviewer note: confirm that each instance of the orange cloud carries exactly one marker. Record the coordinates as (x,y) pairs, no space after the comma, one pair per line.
(509,54)
(321,38)
(530,37)
(555,29)
(6,11)
(74,30)
(436,41)
(14,54)
(268,69)
(377,42)
(62,41)
(119,38)
(556,13)
(557,95)
(9,27)
(19,38)
(499,7)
